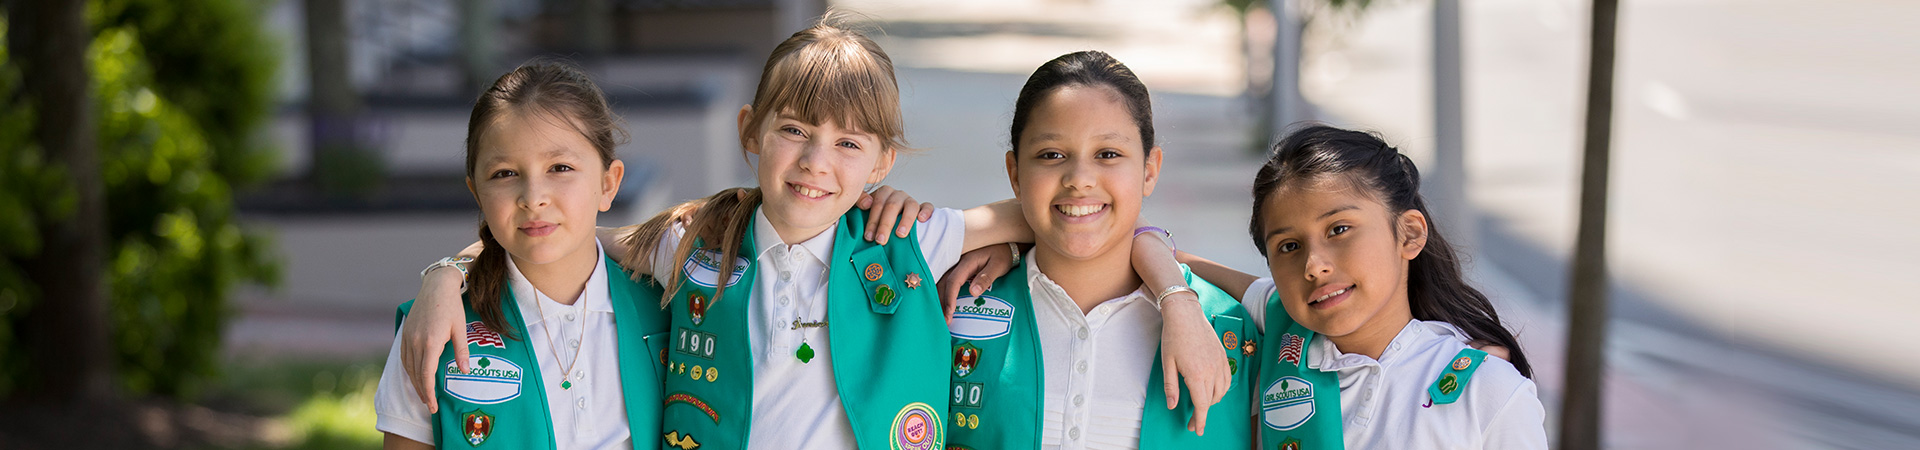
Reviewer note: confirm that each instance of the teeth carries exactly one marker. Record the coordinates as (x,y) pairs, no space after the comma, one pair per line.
(1078,210)
(1330,295)
(808,192)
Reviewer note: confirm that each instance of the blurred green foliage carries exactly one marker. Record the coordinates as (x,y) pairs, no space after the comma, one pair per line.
(179,90)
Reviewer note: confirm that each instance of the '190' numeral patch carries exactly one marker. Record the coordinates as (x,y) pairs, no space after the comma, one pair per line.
(694,343)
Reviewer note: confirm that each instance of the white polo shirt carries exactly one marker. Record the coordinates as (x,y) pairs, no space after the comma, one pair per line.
(795,404)
(1384,403)
(592,414)
(1097,365)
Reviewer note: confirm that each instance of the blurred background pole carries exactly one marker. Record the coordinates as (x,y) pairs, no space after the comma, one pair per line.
(1446,184)
(65,335)
(1288,105)
(1580,408)
(478,28)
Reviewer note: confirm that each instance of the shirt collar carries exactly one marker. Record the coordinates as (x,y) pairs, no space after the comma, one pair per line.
(1323,355)
(595,298)
(1037,282)
(820,246)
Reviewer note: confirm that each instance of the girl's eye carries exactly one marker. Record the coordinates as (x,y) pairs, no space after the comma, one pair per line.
(503,173)
(562,168)
(1338,230)
(1108,154)
(1049,154)
(791,130)
(850,145)
(1288,247)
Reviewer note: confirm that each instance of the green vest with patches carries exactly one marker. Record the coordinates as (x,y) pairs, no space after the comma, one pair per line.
(501,403)
(889,346)
(999,378)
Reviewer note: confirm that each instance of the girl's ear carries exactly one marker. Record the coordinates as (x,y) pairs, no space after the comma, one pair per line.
(884,166)
(1413,227)
(1013,173)
(471,190)
(1154,157)
(747,139)
(610,184)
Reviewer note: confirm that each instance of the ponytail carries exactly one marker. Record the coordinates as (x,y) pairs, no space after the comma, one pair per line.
(484,281)
(718,222)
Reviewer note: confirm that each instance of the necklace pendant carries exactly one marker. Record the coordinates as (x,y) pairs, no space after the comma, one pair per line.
(805,353)
(564,384)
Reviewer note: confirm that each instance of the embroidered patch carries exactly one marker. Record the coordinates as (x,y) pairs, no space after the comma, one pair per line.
(492,380)
(703,267)
(698,344)
(1462,363)
(916,427)
(883,295)
(874,272)
(478,334)
(1233,367)
(696,308)
(965,357)
(1287,403)
(968,395)
(1449,383)
(1290,348)
(477,426)
(676,440)
(1229,340)
(1290,444)
(981,318)
(690,400)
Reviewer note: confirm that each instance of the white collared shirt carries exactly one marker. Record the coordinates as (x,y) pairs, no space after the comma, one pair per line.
(590,414)
(1097,365)
(1384,403)
(795,404)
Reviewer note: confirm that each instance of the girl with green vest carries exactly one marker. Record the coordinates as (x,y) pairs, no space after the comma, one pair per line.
(1370,324)
(548,312)
(1060,353)
(760,281)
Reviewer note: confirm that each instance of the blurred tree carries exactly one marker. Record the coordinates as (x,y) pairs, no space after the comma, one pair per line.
(178,90)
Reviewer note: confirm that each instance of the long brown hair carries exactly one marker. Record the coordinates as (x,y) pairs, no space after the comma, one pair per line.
(1436,290)
(825,73)
(547,88)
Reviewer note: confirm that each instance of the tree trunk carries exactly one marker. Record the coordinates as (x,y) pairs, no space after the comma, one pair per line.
(65,334)
(1580,408)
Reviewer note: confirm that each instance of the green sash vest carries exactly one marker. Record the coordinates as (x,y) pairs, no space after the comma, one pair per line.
(1299,406)
(501,402)
(999,380)
(886,326)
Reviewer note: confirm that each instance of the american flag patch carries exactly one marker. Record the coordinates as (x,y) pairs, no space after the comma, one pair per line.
(478,334)
(1290,345)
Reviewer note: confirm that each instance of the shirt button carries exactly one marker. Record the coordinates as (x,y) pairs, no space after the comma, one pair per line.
(580,375)
(575,343)
(786,275)
(1079,399)
(569,317)
(581,403)
(784,300)
(1082,367)
(1083,332)
(1073,433)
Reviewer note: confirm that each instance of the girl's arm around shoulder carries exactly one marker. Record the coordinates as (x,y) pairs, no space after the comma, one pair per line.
(995,223)
(397,407)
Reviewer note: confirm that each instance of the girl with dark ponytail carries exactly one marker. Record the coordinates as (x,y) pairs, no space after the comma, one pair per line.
(1367,306)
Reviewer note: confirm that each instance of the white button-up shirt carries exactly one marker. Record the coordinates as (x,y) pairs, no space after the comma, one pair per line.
(1097,365)
(795,404)
(590,414)
(1384,403)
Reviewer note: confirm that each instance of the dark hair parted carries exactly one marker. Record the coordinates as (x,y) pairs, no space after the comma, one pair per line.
(1435,287)
(1084,68)
(551,91)
(825,73)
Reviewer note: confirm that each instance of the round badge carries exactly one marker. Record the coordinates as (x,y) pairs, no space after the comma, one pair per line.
(916,427)
(696,373)
(1232,342)
(1462,363)
(874,272)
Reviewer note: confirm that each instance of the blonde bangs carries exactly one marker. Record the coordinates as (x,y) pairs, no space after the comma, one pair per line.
(826,74)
